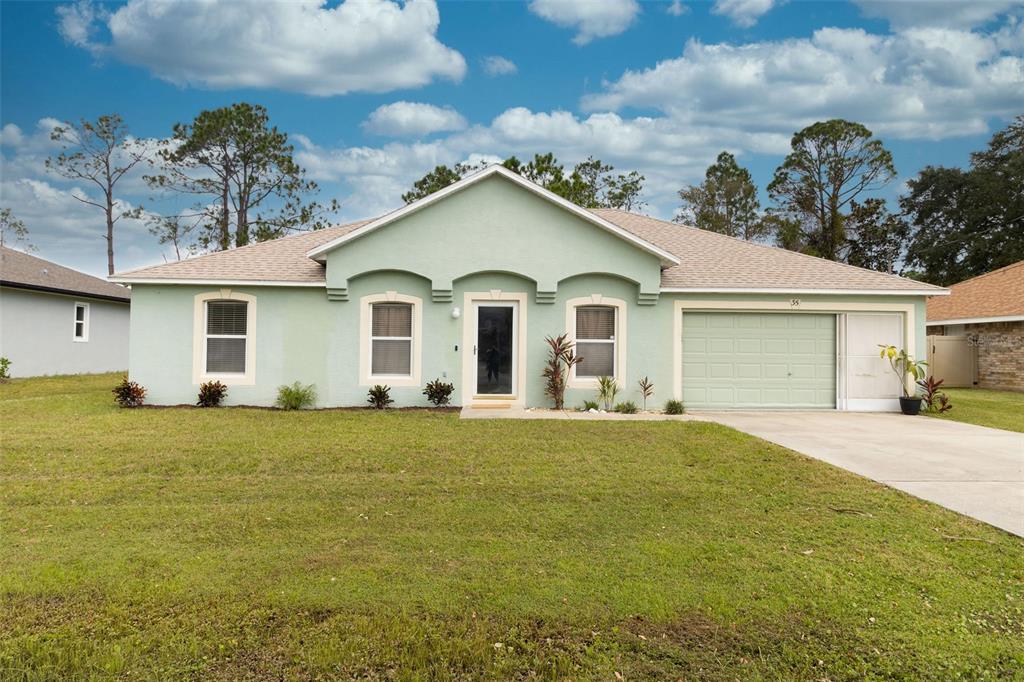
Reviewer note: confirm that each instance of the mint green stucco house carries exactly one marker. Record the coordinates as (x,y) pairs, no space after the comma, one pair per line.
(466,284)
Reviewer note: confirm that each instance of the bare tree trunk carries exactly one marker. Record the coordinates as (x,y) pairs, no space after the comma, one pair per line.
(110,232)
(225,226)
(242,223)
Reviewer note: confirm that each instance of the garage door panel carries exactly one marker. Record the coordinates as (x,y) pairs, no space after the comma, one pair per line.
(748,346)
(720,345)
(752,360)
(748,371)
(802,347)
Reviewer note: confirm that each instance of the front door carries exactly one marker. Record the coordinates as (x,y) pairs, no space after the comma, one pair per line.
(495,348)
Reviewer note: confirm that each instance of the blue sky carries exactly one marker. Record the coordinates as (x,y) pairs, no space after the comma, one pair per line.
(375,93)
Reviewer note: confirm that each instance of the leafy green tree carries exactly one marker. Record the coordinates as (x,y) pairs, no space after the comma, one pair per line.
(969,222)
(832,163)
(101,153)
(591,184)
(11,228)
(242,171)
(437,179)
(876,238)
(177,231)
(726,202)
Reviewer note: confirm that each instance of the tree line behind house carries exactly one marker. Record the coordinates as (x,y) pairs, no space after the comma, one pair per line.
(239,179)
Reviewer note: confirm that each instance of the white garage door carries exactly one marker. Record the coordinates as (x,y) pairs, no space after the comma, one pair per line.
(759,360)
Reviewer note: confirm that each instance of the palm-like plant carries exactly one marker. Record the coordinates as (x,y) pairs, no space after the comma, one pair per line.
(903,365)
(646,390)
(561,359)
(607,389)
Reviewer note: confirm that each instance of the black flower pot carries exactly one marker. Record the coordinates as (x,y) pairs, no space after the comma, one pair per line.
(910,406)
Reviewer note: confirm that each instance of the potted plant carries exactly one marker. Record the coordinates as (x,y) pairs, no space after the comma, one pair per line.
(904,367)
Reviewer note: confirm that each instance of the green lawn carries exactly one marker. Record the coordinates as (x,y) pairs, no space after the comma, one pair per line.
(254,544)
(998,409)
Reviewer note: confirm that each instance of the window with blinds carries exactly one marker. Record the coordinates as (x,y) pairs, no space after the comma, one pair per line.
(595,341)
(226,330)
(391,339)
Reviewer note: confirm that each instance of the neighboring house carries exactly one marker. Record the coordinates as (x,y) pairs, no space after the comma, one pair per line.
(465,285)
(55,320)
(987,313)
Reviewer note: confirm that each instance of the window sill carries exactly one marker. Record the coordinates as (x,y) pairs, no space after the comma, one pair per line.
(392,380)
(229,379)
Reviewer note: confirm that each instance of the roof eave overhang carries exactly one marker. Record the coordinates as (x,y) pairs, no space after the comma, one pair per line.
(216,282)
(666,258)
(976,320)
(822,292)
(65,292)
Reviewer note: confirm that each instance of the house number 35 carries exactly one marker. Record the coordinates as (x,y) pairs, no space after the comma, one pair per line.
(794,303)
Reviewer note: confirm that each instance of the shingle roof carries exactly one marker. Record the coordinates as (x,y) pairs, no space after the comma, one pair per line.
(999,293)
(707,261)
(279,260)
(714,261)
(22,270)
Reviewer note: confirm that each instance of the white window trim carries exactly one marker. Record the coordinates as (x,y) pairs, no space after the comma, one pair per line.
(199,373)
(366,376)
(84,338)
(620,336)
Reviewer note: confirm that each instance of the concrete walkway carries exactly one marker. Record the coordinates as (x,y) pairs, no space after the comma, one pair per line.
(576,415)
(970,469)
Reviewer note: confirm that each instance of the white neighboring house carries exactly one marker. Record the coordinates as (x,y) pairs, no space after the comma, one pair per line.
(55,320)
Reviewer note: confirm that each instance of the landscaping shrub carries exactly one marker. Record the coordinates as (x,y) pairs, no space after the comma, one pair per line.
(674,407)
(646,390)
(561,359)
(296,396)
(607,389)
(128,393)
(627,407)
(211,394)
(380,397)
(935,399)
(438,392)
(5,369)
(589,405)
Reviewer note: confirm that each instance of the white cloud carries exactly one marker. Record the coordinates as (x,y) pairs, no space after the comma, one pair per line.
(920,83)
(744,13)
(77,22)
(498,66)
(412,119)
(300,46)
(11,135)
(590,18)
(677,9)
(942,13)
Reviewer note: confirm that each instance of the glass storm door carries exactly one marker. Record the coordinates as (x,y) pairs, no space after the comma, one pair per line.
(495,349)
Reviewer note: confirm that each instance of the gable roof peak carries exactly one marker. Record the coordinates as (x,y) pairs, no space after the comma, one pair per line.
(667,259)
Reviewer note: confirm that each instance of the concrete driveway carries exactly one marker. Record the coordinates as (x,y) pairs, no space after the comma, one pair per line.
(970,469)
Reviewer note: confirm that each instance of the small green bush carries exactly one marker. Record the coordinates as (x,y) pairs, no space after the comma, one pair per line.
(5,369)
(674,407)
(380,397)
(438,392)
(589,405)
(627,407)
(296,396)
(128,393)
(211,394)
(607,389)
